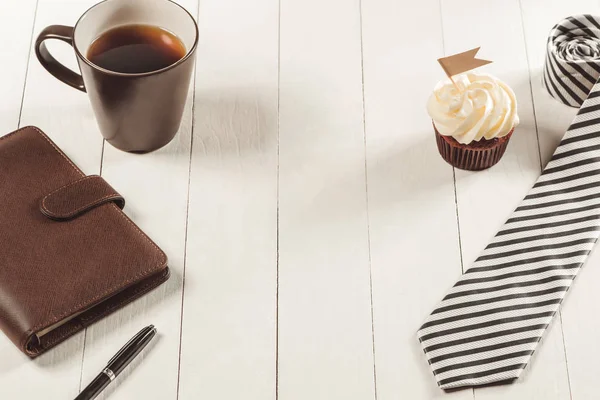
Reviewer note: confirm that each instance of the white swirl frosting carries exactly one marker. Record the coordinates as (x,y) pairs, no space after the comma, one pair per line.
(484,107)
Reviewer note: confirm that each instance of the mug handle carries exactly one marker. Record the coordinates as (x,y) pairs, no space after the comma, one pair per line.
(60,72)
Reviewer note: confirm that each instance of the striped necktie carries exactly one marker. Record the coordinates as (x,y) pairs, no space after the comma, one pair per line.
(487,327)
(572,64)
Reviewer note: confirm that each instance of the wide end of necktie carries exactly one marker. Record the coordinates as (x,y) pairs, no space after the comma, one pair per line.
(460,359)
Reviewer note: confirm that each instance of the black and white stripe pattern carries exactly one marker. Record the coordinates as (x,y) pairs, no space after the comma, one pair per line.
(487,327)
(572,64)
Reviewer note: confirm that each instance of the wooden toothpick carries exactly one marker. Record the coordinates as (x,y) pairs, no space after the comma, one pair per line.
(454,83)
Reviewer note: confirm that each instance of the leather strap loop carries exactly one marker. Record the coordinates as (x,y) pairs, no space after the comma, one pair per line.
(79,197)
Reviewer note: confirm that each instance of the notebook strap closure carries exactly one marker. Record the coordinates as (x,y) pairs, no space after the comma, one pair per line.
(79,197)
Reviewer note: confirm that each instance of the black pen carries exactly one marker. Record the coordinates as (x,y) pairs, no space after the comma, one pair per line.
(118,363)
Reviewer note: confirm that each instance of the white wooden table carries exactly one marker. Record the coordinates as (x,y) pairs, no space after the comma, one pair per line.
(310,222)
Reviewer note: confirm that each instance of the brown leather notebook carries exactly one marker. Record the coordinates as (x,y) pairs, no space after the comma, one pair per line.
(68,254)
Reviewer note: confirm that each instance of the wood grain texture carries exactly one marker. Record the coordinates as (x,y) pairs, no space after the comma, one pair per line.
(410,190)
(229,318)
(325,338)
(300,234)
(59,110)
(15,39)
(486,199)
(155,187)
(582,304)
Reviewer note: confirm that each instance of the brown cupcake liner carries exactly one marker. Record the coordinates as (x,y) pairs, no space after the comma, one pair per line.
(474,156)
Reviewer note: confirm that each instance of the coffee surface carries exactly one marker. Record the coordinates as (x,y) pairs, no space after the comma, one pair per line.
(134,49)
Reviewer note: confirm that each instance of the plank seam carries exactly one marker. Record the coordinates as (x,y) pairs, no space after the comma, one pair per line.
(187,222)
(460,250)
(277,212)
(362,72)
(28,62)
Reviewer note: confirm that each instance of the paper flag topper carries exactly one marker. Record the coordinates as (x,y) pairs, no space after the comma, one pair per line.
(461,62)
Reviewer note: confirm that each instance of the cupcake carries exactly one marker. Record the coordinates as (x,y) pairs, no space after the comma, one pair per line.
(474,122)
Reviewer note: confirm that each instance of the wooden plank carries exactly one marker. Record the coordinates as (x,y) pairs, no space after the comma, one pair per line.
(553,118)
(325,338)
(229,317)
(410,190)
(486,199)
(65,115)
(155,187)
(15,39)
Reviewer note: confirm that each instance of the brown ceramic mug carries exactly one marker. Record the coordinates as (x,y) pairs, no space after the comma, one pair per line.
(136,112)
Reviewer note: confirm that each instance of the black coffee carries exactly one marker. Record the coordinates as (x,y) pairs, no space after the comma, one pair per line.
(133,49)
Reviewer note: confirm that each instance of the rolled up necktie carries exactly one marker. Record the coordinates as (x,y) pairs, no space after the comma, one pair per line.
(488,325)
(572,64)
